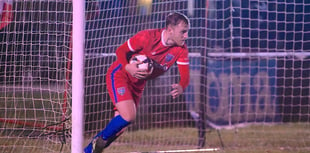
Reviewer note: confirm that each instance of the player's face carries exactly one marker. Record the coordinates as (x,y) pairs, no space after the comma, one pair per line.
(180,33)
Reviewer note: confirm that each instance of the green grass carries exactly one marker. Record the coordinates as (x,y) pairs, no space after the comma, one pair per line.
(282,138)
(40,107)
(285,138)
(279,138)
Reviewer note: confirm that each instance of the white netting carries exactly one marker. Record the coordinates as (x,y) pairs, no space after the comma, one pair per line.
(35,90)
(117,22)
(249,76)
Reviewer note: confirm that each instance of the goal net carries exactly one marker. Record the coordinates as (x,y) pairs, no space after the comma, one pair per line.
(34,75)
(249,67)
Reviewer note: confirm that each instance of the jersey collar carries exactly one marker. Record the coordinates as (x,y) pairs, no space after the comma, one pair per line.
(162,39)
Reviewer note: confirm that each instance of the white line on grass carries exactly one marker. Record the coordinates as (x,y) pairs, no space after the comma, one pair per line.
(187,150)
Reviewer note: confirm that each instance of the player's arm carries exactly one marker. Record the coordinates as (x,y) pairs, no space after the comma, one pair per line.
(183,66)
(126,50)
(123,53)
(184,75)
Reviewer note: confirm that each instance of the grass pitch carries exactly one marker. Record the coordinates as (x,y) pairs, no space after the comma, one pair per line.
(281,138)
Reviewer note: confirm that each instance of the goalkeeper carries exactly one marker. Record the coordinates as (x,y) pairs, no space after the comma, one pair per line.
(125,82)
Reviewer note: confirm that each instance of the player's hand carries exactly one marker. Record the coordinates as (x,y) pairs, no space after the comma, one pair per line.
(177,90)
(134,71)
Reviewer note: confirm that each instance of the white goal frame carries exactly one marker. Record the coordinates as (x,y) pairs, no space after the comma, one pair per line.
(78,37)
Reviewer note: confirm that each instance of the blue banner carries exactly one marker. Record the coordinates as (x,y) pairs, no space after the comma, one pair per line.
(238,91)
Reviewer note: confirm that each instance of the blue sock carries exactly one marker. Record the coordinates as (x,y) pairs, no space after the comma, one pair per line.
(115,126)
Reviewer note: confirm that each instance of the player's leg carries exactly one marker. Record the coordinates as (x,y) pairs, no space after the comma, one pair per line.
(127,113)
(121,96)
(112,139)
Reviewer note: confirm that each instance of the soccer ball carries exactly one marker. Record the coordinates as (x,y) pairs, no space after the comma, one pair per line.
(145,62)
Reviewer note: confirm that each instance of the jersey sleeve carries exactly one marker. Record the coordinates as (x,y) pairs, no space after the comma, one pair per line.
(122,54)
(138,41)
(184,75)
(131,46)
(183,66)
(183,58)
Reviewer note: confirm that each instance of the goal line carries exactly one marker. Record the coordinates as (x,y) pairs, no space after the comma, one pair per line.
(185,150)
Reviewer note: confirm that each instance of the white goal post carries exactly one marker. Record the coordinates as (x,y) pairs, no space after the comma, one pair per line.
(78,46)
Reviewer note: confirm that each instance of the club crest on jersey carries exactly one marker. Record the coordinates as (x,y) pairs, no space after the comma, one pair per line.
(169,57)
(121,91)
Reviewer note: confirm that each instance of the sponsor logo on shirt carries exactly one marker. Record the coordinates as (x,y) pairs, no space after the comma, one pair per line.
(121,91)
(169,57)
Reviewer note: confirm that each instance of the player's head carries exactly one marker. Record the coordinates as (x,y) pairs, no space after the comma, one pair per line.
(177,26)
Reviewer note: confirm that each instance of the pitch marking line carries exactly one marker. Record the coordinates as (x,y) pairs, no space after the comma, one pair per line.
(187,150)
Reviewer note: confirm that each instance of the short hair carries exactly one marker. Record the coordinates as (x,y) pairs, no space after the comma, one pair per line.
(175,18)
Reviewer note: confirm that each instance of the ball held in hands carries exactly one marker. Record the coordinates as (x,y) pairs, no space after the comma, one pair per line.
(145,63)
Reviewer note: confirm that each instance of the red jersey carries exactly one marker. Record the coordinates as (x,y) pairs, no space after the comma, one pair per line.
(149,42)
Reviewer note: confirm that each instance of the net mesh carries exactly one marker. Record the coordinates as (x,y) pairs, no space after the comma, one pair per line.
(249,66)
(34,63)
